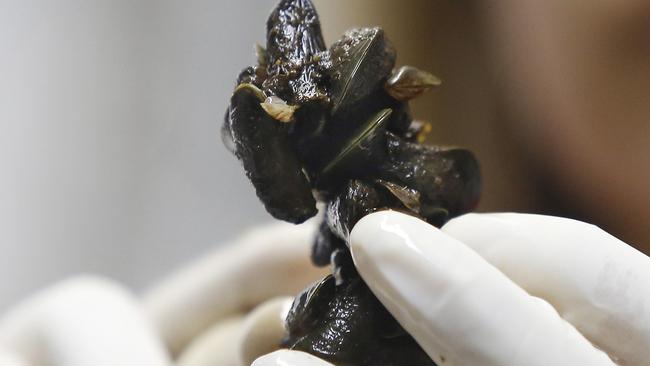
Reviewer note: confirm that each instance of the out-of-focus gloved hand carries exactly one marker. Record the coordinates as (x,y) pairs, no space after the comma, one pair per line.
(226,309)
(505,290)
(80,322)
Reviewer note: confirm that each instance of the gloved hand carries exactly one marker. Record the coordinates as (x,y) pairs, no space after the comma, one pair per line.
(225,309)
(506,290)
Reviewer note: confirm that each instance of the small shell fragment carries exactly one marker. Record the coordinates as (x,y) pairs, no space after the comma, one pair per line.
(409,197)
(278,109)
(419,131)
(408,82)
(260,54)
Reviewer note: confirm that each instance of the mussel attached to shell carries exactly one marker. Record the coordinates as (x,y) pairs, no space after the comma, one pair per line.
(448,179)
(261,143)
(408,83)
(362,60)
(345,324)
(309,123)
(357,150)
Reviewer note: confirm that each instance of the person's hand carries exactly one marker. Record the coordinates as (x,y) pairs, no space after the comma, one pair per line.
(226,309)
(209,300)
(505,289)
(80,322)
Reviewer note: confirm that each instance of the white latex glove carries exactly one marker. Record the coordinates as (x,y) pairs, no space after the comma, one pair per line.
(80,322)
(505,290)
(201,315)
(198,310)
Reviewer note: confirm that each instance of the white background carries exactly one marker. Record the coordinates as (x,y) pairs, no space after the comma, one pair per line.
(110,155)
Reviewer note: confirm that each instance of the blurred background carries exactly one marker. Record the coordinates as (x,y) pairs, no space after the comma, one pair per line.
(110,155)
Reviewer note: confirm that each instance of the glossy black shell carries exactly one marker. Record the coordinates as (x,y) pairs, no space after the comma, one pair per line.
(346,325)
(353,146)
(293,47)
(270,163)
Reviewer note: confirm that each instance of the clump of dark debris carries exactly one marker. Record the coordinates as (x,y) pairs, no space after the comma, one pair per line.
(333,125)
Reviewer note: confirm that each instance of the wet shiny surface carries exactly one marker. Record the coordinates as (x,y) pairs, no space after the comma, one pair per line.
(359,150)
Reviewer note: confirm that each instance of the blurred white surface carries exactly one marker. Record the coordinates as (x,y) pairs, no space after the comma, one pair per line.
(110,156)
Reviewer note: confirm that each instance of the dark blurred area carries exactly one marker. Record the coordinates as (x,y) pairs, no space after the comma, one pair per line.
(553,97)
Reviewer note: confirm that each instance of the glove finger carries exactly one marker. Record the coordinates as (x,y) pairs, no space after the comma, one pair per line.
(241,340)
(595,281)
(268,262)
(289,358)
(217,346)
(264,329)
(459,308)
(80,322)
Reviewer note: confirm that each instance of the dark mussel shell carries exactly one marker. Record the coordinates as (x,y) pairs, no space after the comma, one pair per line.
(355,201)
(346,325)
(325,243)
(261,143)
(359,149)
(307,306)
(255,75)
(307,134)
(293,34)
(449,180)
(349,138)
(402,119)
(336,148)
(293,54)
(361,62)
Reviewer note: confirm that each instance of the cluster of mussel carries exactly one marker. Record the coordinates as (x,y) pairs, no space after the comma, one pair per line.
(311,124)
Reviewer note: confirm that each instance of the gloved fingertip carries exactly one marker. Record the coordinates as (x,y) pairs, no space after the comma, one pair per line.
(289,358)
